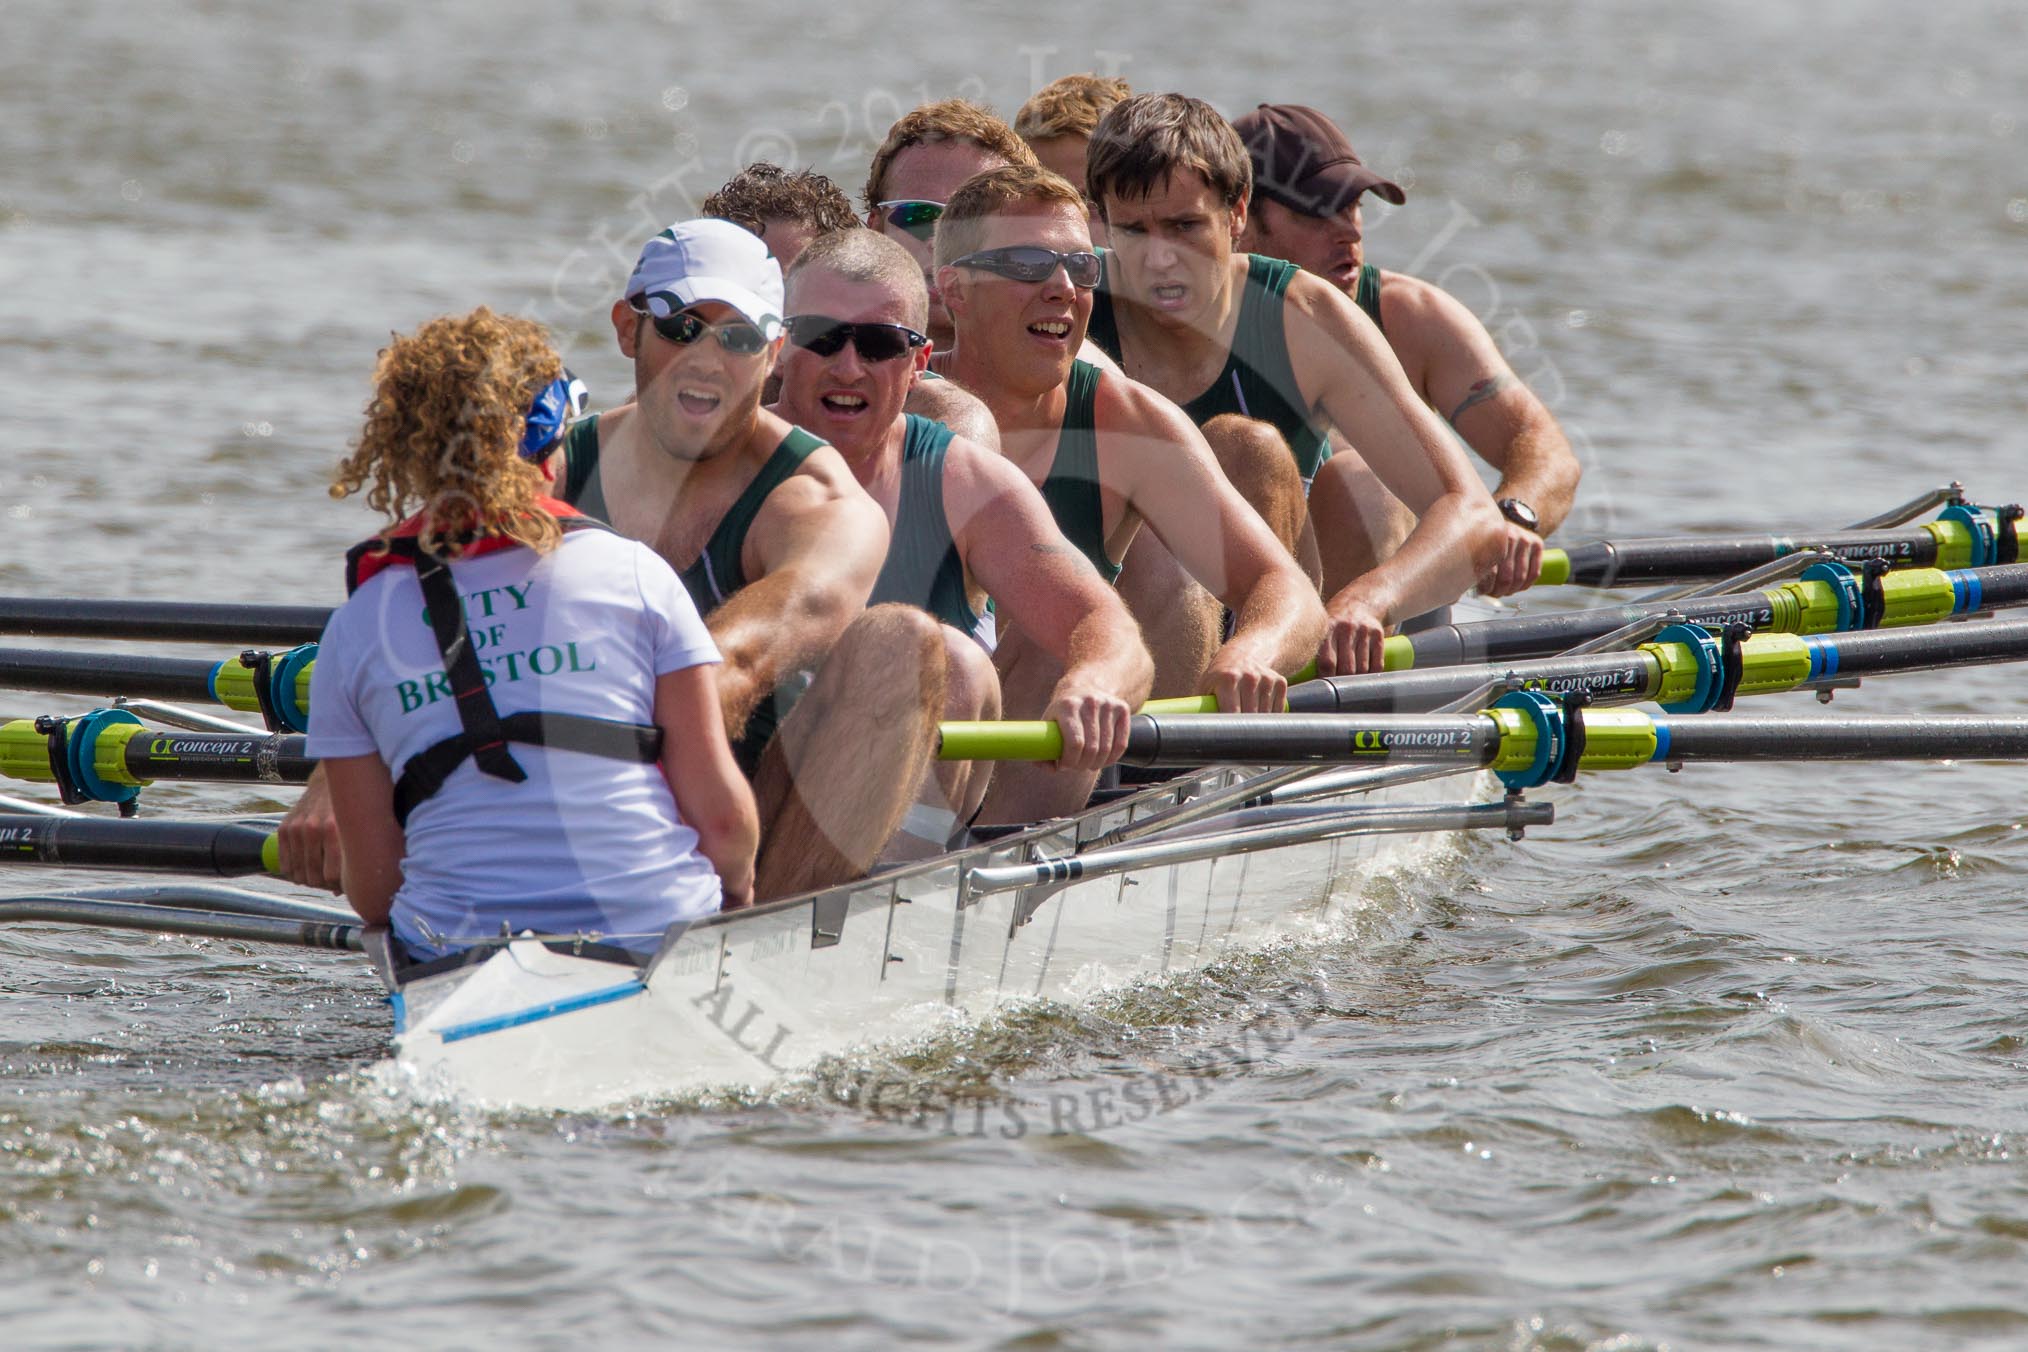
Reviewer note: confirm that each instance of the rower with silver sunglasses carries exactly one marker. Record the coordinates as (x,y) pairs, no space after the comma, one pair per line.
(965,522)
(779,546)
(925,155)
(1107,453)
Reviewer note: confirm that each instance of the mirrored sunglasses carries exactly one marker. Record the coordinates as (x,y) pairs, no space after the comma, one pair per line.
(1033,263)
(914,215)
(684,328)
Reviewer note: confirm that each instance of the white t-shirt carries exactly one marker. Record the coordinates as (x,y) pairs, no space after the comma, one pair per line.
(585,842)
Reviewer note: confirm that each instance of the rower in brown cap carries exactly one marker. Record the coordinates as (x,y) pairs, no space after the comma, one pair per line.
(1307,182)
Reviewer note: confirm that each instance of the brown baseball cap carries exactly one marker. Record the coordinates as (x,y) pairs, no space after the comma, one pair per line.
(1304,162)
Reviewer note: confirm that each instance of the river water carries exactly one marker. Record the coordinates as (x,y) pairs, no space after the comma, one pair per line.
(1725,1059)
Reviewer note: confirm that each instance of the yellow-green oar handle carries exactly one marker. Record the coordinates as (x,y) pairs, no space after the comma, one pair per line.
(1398,654)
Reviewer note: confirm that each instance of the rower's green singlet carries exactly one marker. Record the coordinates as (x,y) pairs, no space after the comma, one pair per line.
(1258,380)
(1366,294)
(1072,488)
(923,568)
(718,572)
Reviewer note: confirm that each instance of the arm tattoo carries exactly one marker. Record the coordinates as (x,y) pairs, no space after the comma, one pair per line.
(1481,391)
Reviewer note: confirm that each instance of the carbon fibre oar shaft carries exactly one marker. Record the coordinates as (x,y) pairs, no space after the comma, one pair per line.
(130,675)
(225,849)
(144,676)
(1913,596)
(201,924)
(163,621)
(1961,537)
(1666,671)
(124,755)
(1526,736)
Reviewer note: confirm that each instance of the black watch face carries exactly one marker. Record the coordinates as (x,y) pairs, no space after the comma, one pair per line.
(1518,512)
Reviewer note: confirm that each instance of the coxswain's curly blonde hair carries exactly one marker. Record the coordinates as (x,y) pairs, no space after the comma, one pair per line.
(444,428)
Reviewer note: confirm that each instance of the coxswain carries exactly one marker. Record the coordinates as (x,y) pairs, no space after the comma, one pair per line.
(515,709)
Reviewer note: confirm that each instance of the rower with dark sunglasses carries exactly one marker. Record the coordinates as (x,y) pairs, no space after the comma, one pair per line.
(778,545)
(1107,453)
(965,522)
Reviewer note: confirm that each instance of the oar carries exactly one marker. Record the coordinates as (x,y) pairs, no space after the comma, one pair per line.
(1830,600)
(1963,536)
(203,912)
(108,756)
(162,621)
(1524,737)
(1684,668)
(233,682)
(224,849)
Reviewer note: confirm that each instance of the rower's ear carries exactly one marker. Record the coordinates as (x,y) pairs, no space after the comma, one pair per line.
(951,288)
(1238,221)
(626,328)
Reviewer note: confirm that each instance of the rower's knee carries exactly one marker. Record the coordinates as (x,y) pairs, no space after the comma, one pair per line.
(971,686)
(893,661)
(1261,466)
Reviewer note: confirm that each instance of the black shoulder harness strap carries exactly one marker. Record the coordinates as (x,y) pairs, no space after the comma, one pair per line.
(485,733)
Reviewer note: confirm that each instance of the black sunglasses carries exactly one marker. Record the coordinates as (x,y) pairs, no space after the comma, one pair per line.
(914,215)
(827,337)
(684,328)
(1033,263)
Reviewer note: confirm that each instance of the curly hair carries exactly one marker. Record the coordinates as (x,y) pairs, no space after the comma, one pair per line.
(443,432)
(1069,106)
(764,192)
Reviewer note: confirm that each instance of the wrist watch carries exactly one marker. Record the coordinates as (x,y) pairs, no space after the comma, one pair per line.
(1520,513)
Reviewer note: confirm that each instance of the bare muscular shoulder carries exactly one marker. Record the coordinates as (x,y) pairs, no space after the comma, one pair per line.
(818,515)
(1424,324)
(957,408)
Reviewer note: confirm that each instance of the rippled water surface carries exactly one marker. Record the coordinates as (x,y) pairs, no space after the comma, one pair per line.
(1726,1059)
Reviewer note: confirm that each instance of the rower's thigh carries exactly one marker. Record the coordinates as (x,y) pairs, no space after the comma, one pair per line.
(1179,619)
(1359,524)
(1261,466)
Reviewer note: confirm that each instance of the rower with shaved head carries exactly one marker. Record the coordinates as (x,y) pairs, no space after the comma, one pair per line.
(1226,333)
(965,522)
(1016,268)
(788,211)
(1307,185)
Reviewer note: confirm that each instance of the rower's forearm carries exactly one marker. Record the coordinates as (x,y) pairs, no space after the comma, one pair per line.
(1540,469)
(1442,558)
(1280,623)
(1107,656)
(729,838)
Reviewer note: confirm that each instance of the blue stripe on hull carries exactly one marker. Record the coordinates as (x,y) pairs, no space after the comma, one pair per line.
(537,1013)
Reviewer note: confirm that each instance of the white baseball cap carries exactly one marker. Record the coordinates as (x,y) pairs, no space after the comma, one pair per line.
(709,259)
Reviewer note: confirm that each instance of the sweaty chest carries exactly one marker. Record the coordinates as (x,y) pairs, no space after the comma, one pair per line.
(676,520)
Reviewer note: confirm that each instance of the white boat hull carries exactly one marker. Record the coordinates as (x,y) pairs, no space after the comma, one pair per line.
(742,1001)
